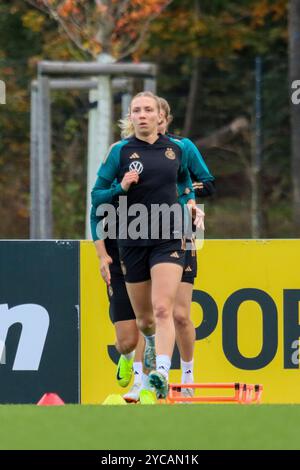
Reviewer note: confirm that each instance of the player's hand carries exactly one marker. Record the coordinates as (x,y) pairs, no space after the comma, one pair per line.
(197,215)
(128,179)
(105,261)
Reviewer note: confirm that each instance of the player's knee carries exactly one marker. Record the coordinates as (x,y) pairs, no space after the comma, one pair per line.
(126,345)
(161,311)
(181,318)
(145,325)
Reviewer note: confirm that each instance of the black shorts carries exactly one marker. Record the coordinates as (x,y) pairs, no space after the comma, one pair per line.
(136,262)
(113,251)
(120,308)
(190,267)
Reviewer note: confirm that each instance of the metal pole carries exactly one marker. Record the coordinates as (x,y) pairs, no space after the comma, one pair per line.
(71,84)
(91,164)
(150,85)
(100,123)
(34,164)
(97,68)
(126,98)
(84,83)
(44,148)
(2,92)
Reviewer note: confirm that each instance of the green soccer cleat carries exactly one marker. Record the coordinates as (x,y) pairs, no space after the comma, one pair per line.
(124,371)
(159,382)
(147,397)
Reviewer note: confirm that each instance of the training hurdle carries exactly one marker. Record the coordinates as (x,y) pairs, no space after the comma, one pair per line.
(243,393)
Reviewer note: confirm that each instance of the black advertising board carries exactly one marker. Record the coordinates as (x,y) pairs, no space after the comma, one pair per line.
(39,320)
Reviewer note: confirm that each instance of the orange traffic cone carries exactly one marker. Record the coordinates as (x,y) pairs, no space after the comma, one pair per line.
(50,399)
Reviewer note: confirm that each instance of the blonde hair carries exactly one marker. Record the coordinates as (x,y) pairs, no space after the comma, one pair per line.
(126,127)
(165,107)
(125,124)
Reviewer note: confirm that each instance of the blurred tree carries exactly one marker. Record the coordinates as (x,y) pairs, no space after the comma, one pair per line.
(26,37)
(215,44)
(294,71)
(219,31)
(224,39)
(114,27)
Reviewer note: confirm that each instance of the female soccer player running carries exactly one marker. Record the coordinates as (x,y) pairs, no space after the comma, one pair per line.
(204,186)
(152,266)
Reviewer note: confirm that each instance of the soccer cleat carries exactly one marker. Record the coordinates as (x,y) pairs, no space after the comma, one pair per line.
(147,397)
(124,371)
(150,356)
(159,382)
(133,395)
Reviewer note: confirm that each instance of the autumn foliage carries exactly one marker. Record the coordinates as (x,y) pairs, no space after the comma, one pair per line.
(217,39)
(113,26)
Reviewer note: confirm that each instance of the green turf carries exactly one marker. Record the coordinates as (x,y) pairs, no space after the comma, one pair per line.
(150,427)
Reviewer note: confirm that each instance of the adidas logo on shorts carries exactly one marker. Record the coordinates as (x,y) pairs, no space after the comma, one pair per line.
(174,255)
(188,269)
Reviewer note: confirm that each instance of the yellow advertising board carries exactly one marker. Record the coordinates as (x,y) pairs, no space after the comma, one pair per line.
(245,310)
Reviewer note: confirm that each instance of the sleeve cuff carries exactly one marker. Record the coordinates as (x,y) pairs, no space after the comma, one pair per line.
(186,197)
(119,190)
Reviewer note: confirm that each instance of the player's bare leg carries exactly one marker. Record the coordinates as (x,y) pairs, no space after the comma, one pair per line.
(165,282)
(140,298)
(133,394)
(185,333)
(127,335)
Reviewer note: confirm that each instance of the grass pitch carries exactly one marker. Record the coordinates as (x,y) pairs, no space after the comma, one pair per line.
(169,427)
